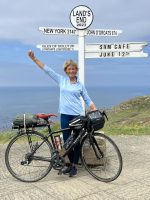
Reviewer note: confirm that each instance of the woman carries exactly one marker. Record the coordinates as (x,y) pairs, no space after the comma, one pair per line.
(70,106)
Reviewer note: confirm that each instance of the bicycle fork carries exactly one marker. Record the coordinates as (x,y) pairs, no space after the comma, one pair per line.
(99,154)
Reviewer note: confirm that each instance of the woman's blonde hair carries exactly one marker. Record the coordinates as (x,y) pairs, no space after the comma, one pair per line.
(70,63)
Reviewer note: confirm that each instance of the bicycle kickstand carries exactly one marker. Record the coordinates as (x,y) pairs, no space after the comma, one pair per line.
(60,172)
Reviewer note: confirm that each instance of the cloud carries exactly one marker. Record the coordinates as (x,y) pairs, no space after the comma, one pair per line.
(20,19)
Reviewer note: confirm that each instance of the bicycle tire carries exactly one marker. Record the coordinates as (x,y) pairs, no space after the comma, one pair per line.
(16,147)
(98,168)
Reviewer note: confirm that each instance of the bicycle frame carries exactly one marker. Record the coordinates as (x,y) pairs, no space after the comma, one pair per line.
(82,134)
(50,135)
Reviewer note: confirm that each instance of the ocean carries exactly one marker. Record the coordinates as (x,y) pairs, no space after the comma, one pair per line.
(20,100)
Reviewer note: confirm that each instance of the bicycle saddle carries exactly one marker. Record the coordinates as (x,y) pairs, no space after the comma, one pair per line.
(45,116)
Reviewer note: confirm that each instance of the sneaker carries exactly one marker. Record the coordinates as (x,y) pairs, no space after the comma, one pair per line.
(73,171)
(67,170)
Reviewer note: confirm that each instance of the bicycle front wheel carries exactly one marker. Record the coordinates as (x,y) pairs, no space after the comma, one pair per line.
(17,152)
(101,157)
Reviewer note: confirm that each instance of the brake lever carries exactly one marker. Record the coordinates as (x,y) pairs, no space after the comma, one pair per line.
(104,113)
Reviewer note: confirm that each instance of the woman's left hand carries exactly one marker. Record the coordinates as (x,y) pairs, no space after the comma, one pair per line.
(93,107)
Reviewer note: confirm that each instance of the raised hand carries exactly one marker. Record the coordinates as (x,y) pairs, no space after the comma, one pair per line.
(37,61)
(31,54)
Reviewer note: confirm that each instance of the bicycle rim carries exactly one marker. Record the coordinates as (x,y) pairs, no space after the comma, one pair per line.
(15,154)
(107,168)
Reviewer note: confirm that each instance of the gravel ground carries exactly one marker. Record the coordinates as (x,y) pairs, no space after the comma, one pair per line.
(133,183)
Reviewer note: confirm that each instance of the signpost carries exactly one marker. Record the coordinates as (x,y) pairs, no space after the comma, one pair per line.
(102,32)
(58,47)
(71,31)
(124,46)
(115,54)
(58,31)
(81,17)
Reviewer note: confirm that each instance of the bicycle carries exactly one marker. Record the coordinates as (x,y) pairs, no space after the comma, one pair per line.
(30,155)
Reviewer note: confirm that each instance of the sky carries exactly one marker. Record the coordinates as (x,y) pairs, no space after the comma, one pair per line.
(19,23)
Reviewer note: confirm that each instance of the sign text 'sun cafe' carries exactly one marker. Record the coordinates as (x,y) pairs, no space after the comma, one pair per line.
(81,17)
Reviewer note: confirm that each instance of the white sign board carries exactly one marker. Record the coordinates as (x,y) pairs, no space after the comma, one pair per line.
(102,32)
(115,54)
(71,31)
(58,31)
(57,47)
(81,17)
(124,46)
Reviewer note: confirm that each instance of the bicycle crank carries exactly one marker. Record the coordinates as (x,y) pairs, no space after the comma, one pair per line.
(57,162)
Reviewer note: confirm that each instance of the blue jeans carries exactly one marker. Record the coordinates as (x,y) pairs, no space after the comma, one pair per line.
(75,153)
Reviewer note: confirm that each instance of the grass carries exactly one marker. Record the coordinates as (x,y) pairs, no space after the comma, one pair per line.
(127,130)
(6,136)
(130,118)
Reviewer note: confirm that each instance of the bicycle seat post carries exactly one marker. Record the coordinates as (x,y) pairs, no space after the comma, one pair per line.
(49,131)
(49,127)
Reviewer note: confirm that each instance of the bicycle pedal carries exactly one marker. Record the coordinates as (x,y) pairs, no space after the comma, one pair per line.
(60,172)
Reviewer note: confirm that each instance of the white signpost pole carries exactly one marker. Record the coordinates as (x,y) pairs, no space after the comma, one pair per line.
(81,56)
(81,59)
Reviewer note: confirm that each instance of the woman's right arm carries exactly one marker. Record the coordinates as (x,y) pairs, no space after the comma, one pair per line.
(55,76)
(38,62)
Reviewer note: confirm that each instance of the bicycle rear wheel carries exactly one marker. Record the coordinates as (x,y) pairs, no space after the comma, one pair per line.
(16,157)
(106,164)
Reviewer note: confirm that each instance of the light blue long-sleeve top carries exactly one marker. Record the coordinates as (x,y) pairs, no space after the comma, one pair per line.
(70,93)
